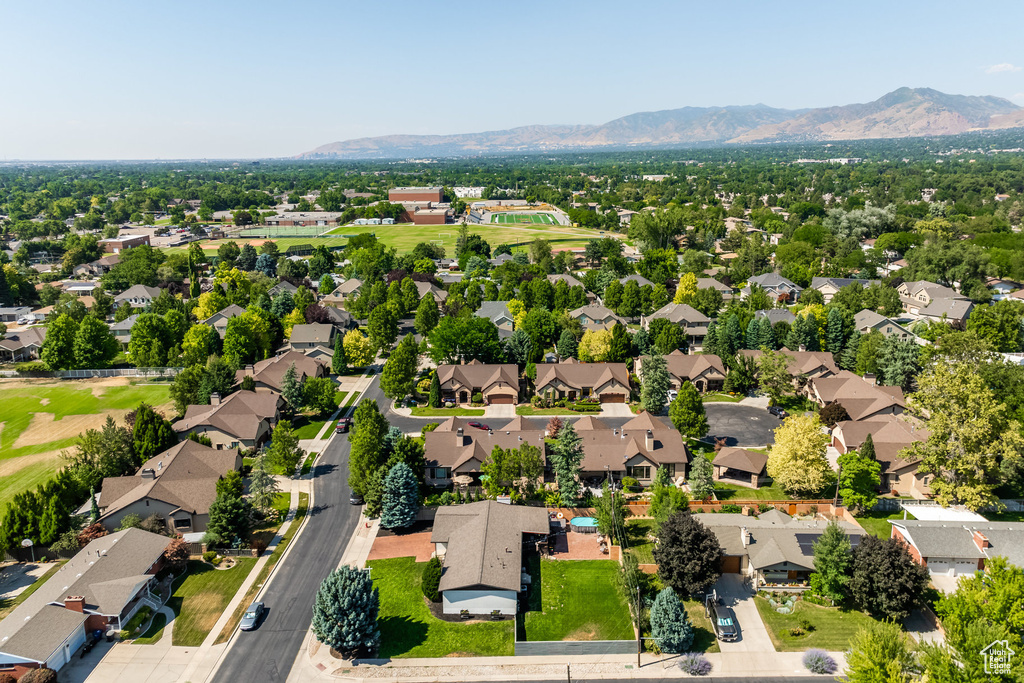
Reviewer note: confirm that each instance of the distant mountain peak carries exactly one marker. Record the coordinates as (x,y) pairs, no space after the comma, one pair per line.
(904,112)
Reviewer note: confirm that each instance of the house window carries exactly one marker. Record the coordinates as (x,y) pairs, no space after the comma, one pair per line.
(639,472)
(183,523)
(671,469)
(440,473)
(586,391)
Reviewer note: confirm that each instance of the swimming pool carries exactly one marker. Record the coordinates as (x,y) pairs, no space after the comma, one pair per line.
(586,525)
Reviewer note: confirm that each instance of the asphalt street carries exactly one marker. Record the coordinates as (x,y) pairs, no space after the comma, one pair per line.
(267,654)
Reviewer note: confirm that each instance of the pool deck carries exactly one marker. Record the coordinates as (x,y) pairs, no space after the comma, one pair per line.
(574,546)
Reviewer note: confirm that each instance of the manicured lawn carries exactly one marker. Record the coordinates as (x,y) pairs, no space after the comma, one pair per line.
(308,426)
(339,397)
(530,410)
(427,411)
(307,464)
(877,523)
(640,546)
(405,236)
(720,398)
(200,597)
(8,606)
(211,246)
(727,492)
(68,402)
(704,639)
(833,628)
(155,631)
(261,578)
(796,404)
(408,629)
(579,600)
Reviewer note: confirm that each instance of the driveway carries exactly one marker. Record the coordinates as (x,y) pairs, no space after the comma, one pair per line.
(501,411)
(740,425)
(616,410)
(944,583)
(753,634)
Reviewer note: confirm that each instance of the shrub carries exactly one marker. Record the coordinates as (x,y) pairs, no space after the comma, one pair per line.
(630,484)
(819,662)
(478,397)
(449,404)
(694,664)
(796,632)
(430,426)
(731,508)
(446,498)
(432,579)
(209,556)
(764,507)
(259,545)
(806,625)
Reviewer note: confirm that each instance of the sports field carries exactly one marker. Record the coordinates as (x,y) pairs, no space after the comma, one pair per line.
(41,417)
(523,219)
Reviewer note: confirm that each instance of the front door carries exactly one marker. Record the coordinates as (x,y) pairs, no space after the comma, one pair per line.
(462,397)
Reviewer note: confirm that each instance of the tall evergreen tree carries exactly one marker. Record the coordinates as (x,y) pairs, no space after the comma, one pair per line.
(152,434)
(655,383)
(848,358)
(621,347)
(567,459)
(345,612)
(567,345)
(765,334)
(713,343)
(670,624)
(401,499)
(367,439)
(339,365)
(229,520)
(702,482)
(435,391)
(753,336)
(427,316)
(94,508)
(733,339)
(834,331)
(833,555)
(291,390)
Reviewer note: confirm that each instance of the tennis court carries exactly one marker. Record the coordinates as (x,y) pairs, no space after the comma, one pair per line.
(523,218)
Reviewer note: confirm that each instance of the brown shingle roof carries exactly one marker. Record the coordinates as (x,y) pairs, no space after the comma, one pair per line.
(272,370)
(686,367)
(860,398)
(240,414)
(742,459)
(579,375)
(477,374)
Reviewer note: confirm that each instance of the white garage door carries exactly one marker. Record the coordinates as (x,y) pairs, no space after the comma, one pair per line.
(939,565)
(965,567)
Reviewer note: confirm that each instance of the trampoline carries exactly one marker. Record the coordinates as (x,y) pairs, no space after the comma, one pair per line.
(584,525)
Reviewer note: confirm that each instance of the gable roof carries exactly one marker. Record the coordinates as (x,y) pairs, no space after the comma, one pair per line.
(580,375)
(493,310)
(680,313)
(272,370)
(138,292)
(776,315)
(445,448)
(485,543)
(890,436)
(687,366)
(477,374)
(425,288)
(840,282)
(639,279)
(347,287)
(239,414)
(613,448)
(282,286)
(567,279)
(954,309)
(184,476)
(30,336)
(742,459)
(772,281)
(312,333)
(860,398)
(227,313)
(602,317)
(712,283)
(955,539)
(933,290)
(801,362)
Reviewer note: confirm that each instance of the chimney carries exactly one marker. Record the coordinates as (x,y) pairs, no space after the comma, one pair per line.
(215,399)
(148,473)
(744,536)
(75,603)
(460,437)
(980,540)
(249,369)
(649,440)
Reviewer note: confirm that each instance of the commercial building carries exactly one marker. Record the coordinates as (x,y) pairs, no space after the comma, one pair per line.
(115,245)
(416,194)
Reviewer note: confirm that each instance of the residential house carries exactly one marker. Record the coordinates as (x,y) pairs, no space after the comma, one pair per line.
(219,320)
(776,315)
(596,317)
(177,485)
(742,466)
(100,266)
(918,294)
(243,419)
(960,548)
(433,290)
(137,296)
(481,549)
(12,314)
(891,437)
(100,588)
(692,322)
(1001,288)
(776,286)
(639,279)
(637,449)
(711,283)
(456,449)
(802,364)
(830,286)
(497,312)
(497,384)
(282,287)
(315,339)
(341,319)
(706,372)
(269,374)
(499,260)
(954,312)
(567,279)
(772,548)
(23,345)
(862,399)
(122,331)
(868,320)
(609,382)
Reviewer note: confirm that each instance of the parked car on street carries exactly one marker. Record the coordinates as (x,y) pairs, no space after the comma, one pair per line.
(778,412)
(343,425)
(354,498)
(252,616)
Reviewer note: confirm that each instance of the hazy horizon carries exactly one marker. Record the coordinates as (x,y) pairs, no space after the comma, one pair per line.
(121,81)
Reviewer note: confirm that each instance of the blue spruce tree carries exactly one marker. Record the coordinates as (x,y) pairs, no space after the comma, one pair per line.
(670,624)
(345,612)
(401,499)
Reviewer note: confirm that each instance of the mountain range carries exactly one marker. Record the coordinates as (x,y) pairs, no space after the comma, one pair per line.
(906,112)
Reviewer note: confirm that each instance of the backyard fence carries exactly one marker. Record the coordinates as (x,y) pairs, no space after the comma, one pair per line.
(37,554)
(83,374)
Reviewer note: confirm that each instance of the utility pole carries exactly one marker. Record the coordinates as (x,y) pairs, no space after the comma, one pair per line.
(568,675)
(638,641)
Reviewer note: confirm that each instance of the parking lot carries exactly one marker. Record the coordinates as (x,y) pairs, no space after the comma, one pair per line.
(741,425)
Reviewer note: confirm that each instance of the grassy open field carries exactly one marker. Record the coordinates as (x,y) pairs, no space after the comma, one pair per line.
(211,246)
(516,218)
(877,523)
(406,236)
(577,600)
(41,417)
(408,629)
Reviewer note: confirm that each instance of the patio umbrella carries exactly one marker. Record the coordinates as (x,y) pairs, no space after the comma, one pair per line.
(463,480)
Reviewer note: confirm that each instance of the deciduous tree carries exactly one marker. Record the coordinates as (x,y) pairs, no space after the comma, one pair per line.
(688,554)
(398,378)
(687,412)
(797,460)
(885,580)
(833,556)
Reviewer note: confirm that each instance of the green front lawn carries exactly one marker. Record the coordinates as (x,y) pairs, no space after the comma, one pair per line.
(704,639)
(339,398)
(155,631)
(530,410)
(427,411)
(408,629)
(720,398)
(877,523)
(640,546)
(404,237)
(796,405)
(200,596)
(579,600)
(308,426)
(728,492)
(833,627)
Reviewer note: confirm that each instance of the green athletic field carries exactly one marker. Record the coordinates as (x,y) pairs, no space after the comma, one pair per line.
(523,218)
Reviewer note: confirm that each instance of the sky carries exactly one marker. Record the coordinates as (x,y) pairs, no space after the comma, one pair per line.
(254,79)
